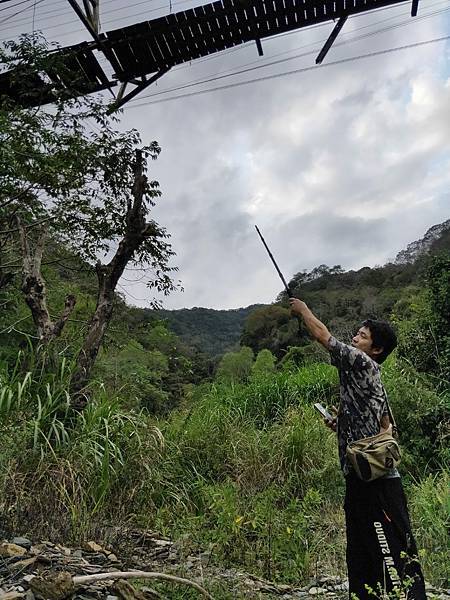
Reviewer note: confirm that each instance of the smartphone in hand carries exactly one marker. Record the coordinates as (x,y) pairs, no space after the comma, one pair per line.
(323,411)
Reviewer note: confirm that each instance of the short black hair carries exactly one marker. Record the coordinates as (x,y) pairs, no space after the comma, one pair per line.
(383,336)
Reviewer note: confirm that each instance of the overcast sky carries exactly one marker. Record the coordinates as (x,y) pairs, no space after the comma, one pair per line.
(344,164)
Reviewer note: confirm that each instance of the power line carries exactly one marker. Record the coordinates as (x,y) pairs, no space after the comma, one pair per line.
(241,47)
(228,50)
(18,13)
(58,12)
(34,16)
(295,71)
(14,5)
(4,1)
(231,50)
(76,21)
(272,63)
(58,25)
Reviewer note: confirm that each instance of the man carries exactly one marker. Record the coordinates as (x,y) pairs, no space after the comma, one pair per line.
(381,551)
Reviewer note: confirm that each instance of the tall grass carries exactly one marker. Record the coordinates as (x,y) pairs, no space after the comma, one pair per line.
(430,511)
(423,416)
(251,471)
(265,398)
(14,387)
(64,463)
(37,399)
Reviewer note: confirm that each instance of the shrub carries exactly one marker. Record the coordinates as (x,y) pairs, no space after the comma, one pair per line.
(422,415)
(235,367)
(264,363)
(70,465)
(266,398)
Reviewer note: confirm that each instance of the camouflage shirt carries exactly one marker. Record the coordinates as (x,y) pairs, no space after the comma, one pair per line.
(363,397)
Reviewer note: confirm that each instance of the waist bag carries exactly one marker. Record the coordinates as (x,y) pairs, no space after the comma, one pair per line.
(375,456)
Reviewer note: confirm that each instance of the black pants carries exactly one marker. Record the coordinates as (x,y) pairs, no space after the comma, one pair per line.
(381,551)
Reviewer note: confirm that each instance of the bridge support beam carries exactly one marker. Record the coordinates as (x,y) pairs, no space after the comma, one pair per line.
(333,35)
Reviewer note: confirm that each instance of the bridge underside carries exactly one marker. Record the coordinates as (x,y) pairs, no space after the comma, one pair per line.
(139,54)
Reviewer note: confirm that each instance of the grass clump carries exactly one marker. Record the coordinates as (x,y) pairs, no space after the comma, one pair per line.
(70,465)
(266,397)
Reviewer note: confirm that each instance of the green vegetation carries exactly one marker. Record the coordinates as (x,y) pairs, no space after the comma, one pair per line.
(245,469)
(210,331)
(238,463)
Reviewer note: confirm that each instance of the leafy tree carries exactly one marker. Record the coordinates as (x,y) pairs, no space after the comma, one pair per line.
(271,327)
(439,286)
(422,316)
(235,367)
(88,185)
(298,356)
(322,275)
(138,374)
(412,317)
(264,362)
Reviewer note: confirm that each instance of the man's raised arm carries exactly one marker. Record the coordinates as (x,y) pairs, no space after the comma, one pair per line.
(315,327)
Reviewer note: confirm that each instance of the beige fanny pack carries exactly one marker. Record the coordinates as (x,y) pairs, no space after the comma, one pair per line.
(375,456)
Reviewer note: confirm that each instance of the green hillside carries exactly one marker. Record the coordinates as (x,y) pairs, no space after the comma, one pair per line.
(211,331)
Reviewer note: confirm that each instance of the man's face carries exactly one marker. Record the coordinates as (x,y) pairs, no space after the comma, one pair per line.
(363,341)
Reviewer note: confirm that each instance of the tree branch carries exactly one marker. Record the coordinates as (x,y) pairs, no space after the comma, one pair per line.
(69,305)
(33,286)
(84,579)
(61,584)
(17,229)
(38,253)
(12,326)
(108,276)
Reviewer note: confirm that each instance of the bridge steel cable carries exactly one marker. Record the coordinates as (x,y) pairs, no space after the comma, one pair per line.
(294,71)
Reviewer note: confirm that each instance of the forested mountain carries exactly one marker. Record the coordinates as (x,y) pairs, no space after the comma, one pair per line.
(340,298)
(210,331)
